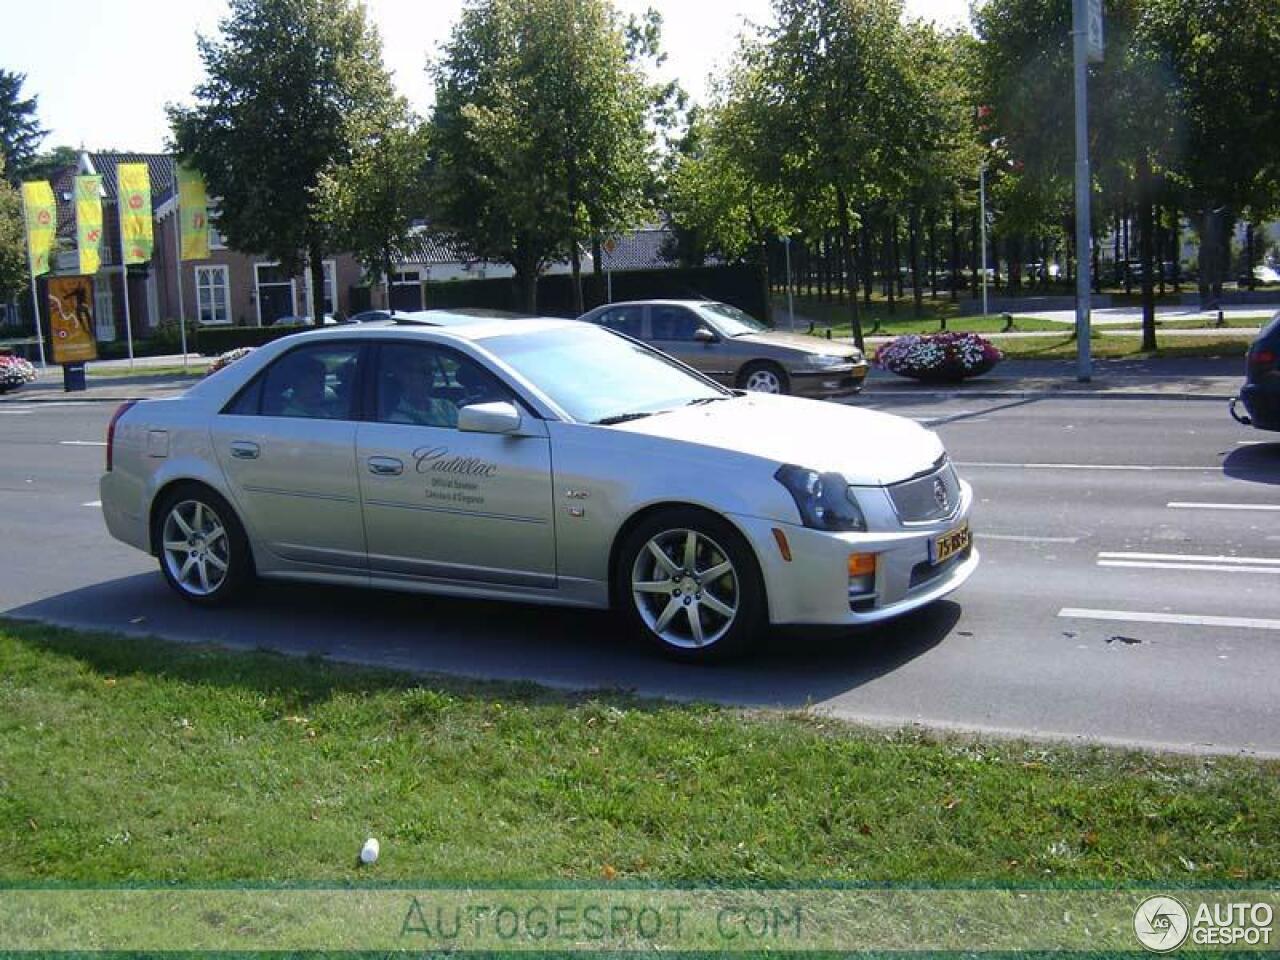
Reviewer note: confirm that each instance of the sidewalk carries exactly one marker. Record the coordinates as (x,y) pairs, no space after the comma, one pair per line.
(1191,378)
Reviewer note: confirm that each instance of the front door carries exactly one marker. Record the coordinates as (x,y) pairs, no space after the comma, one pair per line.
(442,504)
(287,448)
(672,330)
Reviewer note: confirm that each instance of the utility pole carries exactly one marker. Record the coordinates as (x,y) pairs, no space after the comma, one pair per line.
(791,311)
(1086,36)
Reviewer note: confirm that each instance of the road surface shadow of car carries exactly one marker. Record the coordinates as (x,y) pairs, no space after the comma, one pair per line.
(559,647)
(1256,463)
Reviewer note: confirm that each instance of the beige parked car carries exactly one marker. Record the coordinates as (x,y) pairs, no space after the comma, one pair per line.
(736,349)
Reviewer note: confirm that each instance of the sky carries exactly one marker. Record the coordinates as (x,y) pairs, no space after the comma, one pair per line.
(103,70)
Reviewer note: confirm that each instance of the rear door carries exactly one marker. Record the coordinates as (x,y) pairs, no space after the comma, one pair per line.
(286,445)
(443,504)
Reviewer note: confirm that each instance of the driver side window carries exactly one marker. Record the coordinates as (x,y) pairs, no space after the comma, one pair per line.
(674,323)
(427,386)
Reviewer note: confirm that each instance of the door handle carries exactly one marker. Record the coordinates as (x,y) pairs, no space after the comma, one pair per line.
(244,450)
(386,466)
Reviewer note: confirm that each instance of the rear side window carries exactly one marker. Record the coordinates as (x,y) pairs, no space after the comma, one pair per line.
(628,320)
(314,382)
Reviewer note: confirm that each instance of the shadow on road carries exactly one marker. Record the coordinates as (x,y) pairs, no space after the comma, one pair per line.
(563,648)
(1257,463)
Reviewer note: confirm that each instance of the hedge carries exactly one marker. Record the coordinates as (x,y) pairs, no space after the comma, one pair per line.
(739,284)
(211,341)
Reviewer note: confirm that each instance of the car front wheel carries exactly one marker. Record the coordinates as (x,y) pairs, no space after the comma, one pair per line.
(764,378)
(204,553)
(689,583)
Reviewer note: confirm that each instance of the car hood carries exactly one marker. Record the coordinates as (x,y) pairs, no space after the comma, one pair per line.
(866,447)
(799,342)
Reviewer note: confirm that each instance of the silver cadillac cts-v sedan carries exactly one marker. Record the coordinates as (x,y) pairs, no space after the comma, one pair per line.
(537,460)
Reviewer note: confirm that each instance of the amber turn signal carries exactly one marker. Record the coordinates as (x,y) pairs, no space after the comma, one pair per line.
(861,564)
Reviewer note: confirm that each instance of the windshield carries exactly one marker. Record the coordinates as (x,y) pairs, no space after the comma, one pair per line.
(733,322)
(593,374)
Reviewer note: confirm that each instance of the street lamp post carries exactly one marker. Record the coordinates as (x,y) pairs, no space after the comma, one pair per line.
(1086,36)
(982,222)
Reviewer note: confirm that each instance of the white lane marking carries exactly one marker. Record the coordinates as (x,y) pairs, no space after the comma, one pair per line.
(1192,557)
(1189,505)
(1020,538)
(83,443)
(13,413)
(92,503)
(1078,466)
(1212,567)
(1251,443)
(1187,619)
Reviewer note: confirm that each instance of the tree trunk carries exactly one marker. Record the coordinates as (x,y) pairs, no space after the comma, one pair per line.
(1146,227)
(917,286)
(526,269)
(933,255)
(953,276)
(890,267)
(1248,254)
(855,315)
(597,254)
(315,256)
(867,260)
(975,254)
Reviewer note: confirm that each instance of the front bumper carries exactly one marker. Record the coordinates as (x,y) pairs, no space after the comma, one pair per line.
(828,383)
(814,586)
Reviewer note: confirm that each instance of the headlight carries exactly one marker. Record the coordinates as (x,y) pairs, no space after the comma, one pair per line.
(823,499)
(822,362)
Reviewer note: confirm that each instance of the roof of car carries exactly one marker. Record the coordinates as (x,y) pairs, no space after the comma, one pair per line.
(465,323)
(686,302)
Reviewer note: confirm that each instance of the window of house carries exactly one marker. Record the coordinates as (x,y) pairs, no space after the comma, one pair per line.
(213,295)
(104,324)
(330,286)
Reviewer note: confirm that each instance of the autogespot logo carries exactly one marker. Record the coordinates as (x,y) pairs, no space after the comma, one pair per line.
(1161,924)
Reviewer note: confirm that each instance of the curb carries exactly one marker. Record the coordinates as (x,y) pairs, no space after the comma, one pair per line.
(1014,393)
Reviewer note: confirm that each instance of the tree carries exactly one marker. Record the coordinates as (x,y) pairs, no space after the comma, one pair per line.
(371,200)
(539,132)
(289,84)
(45,165)
(20,133)
(13,244)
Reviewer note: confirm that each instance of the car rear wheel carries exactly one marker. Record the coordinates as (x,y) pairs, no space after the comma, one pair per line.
(689,583)
(764,378)
(204,553)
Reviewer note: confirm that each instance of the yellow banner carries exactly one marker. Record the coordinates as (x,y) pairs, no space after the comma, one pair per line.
(71,319)
(193,213)
(42,223)
(89,222)
(133,195)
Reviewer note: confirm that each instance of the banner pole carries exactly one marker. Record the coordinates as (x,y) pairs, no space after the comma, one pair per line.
(124,272)
(177,267)
(35,298)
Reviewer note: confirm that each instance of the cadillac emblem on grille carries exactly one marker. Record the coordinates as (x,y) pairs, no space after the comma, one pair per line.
(940,494)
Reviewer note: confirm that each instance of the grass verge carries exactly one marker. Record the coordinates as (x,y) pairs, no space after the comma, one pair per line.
(125,759)
(1127,347)
(195,370)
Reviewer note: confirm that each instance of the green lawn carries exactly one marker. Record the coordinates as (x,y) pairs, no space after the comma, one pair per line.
(1113,347)
(125,759)
(902,320)
(195,369)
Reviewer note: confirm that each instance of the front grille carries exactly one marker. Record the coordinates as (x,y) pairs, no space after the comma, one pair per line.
(918,501)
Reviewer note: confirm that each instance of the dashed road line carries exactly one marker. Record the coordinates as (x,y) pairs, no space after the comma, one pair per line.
(1189,505)
(1184,619)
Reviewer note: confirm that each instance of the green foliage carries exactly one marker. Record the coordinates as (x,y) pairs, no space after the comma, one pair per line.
(212,341)
(539,136)
(13,242)
(45,165)
(20,132)
(371,199)
(289,85)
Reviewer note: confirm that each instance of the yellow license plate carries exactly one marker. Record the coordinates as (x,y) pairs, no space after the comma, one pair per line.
(951,543)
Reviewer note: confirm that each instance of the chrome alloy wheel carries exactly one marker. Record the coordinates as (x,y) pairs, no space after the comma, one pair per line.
(197,552)
(764,380)
(685,588)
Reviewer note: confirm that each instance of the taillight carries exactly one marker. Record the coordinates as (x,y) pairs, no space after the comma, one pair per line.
(1262,358)
(111,429)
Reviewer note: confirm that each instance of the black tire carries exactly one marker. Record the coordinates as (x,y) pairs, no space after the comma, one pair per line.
(232,548)
(764,366)
(742,587)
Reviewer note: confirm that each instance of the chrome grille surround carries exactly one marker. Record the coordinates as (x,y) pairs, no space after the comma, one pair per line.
(920,499)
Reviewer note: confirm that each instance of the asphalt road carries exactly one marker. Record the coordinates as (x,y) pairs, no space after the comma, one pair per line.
(1102,610)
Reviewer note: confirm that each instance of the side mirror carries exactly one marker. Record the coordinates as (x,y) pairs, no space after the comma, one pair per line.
(489,418)
(703,335)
